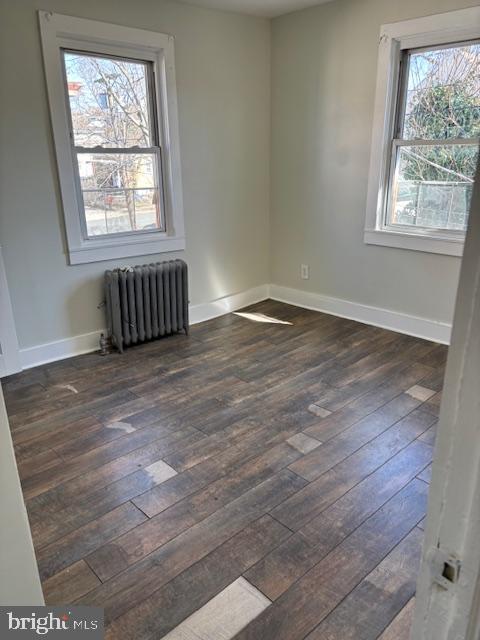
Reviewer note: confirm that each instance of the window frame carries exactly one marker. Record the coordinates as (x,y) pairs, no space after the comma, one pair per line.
(59,32)
(154,149)
(428,32)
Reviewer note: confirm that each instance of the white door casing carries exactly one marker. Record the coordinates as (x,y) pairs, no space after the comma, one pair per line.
(447,605)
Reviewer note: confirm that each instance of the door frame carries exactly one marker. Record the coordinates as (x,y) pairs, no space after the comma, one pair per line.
(9,351)
(448,588)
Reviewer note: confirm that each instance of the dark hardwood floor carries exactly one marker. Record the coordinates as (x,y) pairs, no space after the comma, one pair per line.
(265,479)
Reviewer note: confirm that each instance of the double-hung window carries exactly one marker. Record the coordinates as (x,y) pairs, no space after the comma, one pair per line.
(115,146)
(113,106)
(426,133)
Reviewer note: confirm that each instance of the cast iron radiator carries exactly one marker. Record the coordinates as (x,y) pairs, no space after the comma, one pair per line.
(146,302)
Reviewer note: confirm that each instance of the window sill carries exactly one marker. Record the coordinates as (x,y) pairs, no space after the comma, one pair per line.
(92,251)
(428,244)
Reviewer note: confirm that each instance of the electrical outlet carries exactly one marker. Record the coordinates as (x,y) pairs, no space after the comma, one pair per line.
(305,271)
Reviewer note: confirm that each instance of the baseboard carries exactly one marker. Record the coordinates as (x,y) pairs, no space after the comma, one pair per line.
(209,310)
(88,342)
(401,322)
(376,316)
(59,350)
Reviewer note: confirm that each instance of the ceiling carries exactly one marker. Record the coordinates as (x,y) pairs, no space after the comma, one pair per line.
(265,8)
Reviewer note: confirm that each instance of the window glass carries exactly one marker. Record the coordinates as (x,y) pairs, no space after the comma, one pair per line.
(433,186)
(435,157)
(110,109)
(443,94)
(108,100)
(120,192)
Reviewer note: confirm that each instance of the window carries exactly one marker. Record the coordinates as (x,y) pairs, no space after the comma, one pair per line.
(114,119)
(115,144)
(435,151)
(426,133)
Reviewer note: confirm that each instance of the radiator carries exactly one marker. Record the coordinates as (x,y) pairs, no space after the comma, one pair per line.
(146,302)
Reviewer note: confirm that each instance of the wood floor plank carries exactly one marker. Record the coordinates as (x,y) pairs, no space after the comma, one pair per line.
(78,544)
(159,498)
(335,398)
(69,584)
(185,463)
(421,524)
(302,607)
(32,441)
(106,474)
(436,358)
(426,474)
(56,475)
(399,629)
(375,602)
(57,512)
(211,445)
(61,410)
(257,440)
(430,435)
(319,494)
(366,404)
(142,540)
(279,569)
(196,586)
(347,442)
(100,502)
(86,442)
(433,404)
(38,463)
(140,580)
(389,345)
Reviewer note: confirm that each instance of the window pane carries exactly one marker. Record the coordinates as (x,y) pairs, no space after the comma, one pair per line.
(433,186)
(120,192)
(108,101)
(443,94)
(117,170)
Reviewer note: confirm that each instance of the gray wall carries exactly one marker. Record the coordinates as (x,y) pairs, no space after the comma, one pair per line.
(19,580)
(323,82)
(223,76)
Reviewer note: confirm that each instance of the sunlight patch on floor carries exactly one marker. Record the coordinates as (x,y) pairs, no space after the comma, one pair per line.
(260,317)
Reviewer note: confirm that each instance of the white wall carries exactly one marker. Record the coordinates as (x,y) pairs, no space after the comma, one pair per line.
(223,76)
(323,84)
(19,580)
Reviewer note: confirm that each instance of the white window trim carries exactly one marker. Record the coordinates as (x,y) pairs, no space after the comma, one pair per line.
(442,28)
(59,31)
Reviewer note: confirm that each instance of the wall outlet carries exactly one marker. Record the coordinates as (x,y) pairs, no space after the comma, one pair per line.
(305,271)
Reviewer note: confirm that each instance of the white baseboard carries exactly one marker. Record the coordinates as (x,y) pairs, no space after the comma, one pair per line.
(60,349)
(209,310)
(384,318)
(403,323)
(88,342)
